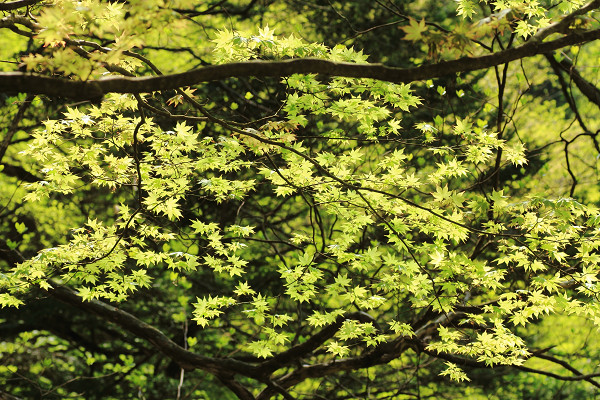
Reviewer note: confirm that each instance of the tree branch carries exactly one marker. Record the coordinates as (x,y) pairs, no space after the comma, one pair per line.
(7,396)
(565,90)
(13,5)
(586,88)
(587,378)
(312,343)
(14,126)
(186,359)
(564,23)
(19,173)
(94,89)
(464,362)
(238,389)
(11,20)
(382,354)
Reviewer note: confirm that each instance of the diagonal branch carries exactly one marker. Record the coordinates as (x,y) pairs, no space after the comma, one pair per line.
(186,359)
(240,391)
(95,89)
(18,172)
(565,90)
(568,366)
(7,396)
(12,20)
(581,377)
(382,354)
(564,23)
(586,88)
(14,126)
(13,5)
(465,362)
(291,355)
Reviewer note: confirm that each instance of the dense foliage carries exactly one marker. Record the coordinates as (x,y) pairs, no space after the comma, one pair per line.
(299,199)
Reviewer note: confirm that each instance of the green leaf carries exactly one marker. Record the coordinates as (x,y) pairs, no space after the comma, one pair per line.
(414,31)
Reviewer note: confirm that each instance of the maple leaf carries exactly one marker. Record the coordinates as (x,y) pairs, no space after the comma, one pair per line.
(415,30)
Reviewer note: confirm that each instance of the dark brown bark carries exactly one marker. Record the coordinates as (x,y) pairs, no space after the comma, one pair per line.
(186,359)
(14,82)
(13,5)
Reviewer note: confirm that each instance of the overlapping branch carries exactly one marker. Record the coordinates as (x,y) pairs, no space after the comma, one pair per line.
(95,89)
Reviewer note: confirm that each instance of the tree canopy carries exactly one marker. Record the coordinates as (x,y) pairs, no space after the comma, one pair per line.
(320,199)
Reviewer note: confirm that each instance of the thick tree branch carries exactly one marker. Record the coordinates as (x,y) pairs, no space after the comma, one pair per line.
(13,5)
(586,88)
(95,89)
(184,358)
(19,173)
(564,23)
(11,20)
(312,343)
(565,90)
(240,391)
(382,354)
(218,8)
(226,368)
